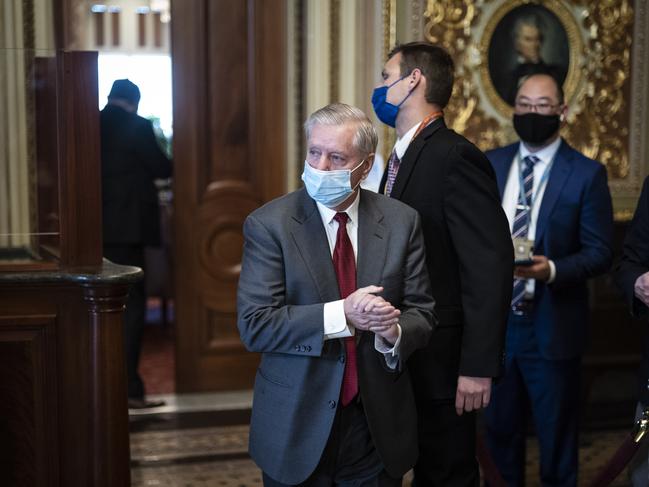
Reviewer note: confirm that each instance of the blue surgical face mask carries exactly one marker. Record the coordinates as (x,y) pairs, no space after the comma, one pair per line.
(330,188)
(386,112)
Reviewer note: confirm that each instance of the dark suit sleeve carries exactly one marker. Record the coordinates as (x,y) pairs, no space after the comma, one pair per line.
(635,255)
(417,315)
(595,236)
(266,323)
(155,162)
(480,234)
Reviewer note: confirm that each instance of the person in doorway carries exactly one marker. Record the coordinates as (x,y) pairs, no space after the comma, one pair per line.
(131,160)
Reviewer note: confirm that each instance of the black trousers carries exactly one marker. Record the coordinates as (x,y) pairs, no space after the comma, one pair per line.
(134,315)
(349,458)
(446,446)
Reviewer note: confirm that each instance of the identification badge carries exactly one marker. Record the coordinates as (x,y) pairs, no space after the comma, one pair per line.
(523,251)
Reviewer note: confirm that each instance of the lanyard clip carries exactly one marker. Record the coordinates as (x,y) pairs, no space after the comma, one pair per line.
(641,426)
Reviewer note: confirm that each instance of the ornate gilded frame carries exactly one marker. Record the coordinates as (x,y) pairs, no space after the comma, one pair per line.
(607,114)
(576,48)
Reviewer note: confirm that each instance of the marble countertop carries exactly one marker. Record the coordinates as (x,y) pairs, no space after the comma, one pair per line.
(107,273)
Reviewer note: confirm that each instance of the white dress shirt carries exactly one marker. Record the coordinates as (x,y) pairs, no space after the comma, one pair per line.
(401,145)
(335,323)
(512,194)
(373,179)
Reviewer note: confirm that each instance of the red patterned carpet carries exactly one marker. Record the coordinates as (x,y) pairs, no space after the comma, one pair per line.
(158,360)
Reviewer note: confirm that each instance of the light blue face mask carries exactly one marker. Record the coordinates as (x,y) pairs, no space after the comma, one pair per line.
(329,188)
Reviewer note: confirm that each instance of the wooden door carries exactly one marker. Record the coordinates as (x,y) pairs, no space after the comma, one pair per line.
(229,158)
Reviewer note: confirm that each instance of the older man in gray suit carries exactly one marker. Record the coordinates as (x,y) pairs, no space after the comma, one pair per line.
(334,293)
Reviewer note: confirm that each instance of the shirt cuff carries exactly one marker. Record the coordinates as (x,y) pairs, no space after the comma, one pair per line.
(335,323)
(389,351)
(553,272)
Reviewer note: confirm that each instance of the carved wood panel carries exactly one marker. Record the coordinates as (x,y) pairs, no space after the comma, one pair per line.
(229,117)
(28,407)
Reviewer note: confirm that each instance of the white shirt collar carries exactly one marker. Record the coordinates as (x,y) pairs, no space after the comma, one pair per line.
(402,143)
(545,155)
(328,214)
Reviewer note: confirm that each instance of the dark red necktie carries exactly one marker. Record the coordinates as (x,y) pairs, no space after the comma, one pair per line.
(345,266)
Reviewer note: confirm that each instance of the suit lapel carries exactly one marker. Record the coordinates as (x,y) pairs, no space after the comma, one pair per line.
(411,157)
(372,242)
(384,178)
(311,241)
(559,173)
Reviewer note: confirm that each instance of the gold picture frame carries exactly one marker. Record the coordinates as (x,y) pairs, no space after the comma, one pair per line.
(564,20)
(607,112)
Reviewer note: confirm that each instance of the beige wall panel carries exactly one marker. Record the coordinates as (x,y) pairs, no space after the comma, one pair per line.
(317,58)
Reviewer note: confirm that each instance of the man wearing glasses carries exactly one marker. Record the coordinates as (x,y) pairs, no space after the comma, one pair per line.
(559,210)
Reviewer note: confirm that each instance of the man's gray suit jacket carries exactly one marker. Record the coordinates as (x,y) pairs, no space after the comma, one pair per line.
(286,277)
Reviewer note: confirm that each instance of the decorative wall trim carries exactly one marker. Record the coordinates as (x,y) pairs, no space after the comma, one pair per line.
(334,50)
(295,95)
(29,43)
(417,19)
(389,40)
(639,120)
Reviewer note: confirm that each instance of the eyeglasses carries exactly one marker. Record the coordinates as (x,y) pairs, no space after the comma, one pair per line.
(542,108)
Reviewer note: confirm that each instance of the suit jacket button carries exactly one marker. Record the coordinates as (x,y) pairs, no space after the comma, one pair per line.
(332,404)
(342,359)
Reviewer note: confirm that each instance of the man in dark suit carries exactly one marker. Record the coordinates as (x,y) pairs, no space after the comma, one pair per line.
(469,255)
(557,200)
(334,294)
(130,161)
(632,277)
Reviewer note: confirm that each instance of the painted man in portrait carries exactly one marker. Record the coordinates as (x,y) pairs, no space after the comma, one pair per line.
(527,36)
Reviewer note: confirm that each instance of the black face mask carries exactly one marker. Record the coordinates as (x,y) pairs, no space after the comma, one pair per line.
(535,128)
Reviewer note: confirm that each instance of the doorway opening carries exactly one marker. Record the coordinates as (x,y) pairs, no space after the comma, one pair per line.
(132,38)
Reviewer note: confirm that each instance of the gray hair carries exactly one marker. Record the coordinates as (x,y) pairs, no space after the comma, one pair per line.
(365,139)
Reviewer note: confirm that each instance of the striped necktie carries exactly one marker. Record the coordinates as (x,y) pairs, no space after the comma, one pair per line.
(393,168)
(522,220)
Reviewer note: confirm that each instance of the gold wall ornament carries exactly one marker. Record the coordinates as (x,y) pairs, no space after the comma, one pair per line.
(597,81)
(416,19)
(449,24)
(575,43)
(606,102)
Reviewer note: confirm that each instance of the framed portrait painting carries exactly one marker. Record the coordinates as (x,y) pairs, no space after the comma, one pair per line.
(523,40)
(597,50)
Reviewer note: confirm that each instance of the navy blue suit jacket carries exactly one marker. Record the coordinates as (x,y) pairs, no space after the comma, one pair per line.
(575,231)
